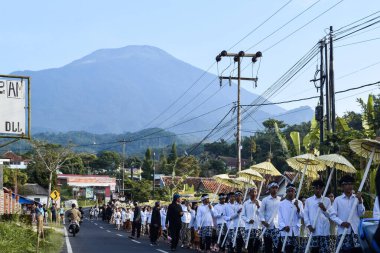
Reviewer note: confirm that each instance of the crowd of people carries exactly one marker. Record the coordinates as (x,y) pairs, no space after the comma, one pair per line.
(235,223)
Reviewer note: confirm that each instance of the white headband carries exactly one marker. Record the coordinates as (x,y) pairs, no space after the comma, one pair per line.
(273,184)
(205,197)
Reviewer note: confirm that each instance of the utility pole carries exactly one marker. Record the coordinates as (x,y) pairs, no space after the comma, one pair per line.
(319,110)
(123,166)
(332,87)
(237,58)
(154,170)
(332,98)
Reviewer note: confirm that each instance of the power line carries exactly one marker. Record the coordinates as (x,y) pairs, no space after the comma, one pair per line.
(356,71)
(212,65)
(260,25)
(278,29)
(359,42)
(303,26)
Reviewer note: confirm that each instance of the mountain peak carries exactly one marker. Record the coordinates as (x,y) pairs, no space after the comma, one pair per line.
(132,51)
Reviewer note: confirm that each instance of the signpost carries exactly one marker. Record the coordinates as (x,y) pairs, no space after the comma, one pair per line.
(55,195)
(15,107)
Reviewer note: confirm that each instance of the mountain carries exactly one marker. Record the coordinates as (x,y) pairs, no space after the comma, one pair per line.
(123,89)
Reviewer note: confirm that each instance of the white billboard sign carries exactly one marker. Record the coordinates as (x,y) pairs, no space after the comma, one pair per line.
(12,107)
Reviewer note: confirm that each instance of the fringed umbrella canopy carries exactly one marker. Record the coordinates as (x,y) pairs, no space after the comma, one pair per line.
(245,181)
(251,174)
(338,162)
(266,168)
(364,147)
(298,163)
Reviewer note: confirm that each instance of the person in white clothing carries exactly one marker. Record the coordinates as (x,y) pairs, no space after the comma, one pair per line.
(321,232)
(290,208)
(376,209)
(117,217)
(185,229)
(205,223)
(219,213)
(233,213)
(340,210)
(269,218)
(250,216)
(163,220)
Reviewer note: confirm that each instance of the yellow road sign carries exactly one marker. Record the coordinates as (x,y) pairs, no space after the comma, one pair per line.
(54,195)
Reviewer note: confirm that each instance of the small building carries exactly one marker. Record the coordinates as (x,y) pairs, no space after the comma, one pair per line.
(89,186)
(15,161)
(230,162)
(35,192)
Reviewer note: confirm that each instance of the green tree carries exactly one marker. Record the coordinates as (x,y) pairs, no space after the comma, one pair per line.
(47,159)
(213,167)
(108,160)
(147,165)
(187,165)
(172,158)
(10,176)
(269,124)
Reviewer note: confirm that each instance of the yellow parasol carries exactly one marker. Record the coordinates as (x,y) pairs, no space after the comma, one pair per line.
(251,174)
(266,168)
(309,163)
(369,149)
(334,161)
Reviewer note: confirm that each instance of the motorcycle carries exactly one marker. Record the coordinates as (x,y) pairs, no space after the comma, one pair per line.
(73,228)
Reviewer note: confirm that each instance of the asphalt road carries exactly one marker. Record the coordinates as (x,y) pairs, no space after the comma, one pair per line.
(98,236)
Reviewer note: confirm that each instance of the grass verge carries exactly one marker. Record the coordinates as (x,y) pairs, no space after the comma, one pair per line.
(16,238)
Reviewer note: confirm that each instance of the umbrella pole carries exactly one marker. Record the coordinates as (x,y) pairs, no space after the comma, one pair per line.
(319,209)
(220,232)
(236,232)
(356,200)
(274,214)
(226,235)
(250,226)
(292,214)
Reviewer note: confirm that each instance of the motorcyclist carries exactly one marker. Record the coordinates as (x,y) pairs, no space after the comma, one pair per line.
(74,214)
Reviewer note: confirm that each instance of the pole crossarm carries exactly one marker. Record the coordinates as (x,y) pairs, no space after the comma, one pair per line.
(241,78)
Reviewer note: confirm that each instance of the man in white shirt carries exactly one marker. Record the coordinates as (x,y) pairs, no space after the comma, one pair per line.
(229,217)
(340,211)
(219,213)
(290,207)
(236,225)
(205,223)
(250,216)
(321,232)
(269,218)
(185,229)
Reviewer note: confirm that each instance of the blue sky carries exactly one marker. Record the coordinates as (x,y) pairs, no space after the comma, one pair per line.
(45,34)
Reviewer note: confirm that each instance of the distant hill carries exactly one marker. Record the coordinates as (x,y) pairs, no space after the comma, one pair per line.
(121,90)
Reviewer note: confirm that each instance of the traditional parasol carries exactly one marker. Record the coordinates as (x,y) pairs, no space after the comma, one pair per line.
(369,149)
(265,168)
(309,163)
(334,161)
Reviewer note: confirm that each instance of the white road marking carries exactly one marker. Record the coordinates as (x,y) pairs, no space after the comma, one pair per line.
(163,251)
(119,235)
(68,245)
(136,241)
(101,227)
(96,224)
(108,231)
